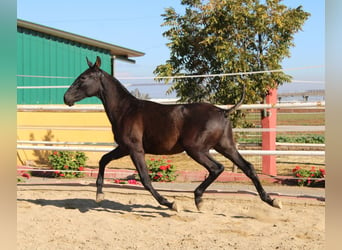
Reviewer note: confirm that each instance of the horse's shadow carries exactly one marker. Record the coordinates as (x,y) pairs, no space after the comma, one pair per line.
(85,205)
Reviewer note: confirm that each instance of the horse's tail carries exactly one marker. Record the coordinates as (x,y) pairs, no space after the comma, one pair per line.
(232,109)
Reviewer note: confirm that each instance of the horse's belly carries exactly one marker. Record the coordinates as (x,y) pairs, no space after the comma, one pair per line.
(163,148)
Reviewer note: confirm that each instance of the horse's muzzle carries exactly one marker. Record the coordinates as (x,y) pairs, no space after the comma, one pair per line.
(67,100)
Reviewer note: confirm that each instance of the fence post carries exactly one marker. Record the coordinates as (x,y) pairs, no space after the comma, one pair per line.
(269,121)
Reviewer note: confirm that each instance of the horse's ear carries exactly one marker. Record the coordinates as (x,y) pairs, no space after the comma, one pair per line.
(89,63)
(98,62)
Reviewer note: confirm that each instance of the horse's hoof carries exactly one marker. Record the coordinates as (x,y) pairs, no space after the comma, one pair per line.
(175,207)
(99,197)
(277,203)
(199,205)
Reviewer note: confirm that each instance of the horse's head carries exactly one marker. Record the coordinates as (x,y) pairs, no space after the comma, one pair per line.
(86,85)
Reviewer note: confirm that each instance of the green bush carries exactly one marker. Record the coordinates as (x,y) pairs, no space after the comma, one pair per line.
(161,170)
(242,138)
(308,177)
(301,139)
(67,164)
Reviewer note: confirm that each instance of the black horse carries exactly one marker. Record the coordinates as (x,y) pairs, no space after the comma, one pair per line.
(141,126)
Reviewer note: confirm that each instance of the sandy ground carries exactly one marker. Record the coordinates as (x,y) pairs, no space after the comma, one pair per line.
(67,217)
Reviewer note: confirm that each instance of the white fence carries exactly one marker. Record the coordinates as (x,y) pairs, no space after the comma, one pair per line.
(104,147)
(97,148)
(99,108)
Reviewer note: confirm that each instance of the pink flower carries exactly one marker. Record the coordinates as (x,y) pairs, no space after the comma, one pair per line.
(322,171)
(168,161)
(117,181)
(55,153)
(81,168)
(26,175)
(296,169)
(66,167)
(56,172)
(163,167)
(133,182)
(61,174)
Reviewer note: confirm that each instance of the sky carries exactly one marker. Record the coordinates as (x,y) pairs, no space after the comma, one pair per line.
(136,25)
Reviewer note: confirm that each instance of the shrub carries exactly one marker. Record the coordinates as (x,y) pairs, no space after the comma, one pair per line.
(27,175)
(308,177)
(301,139)
(161,170)
(129,181)
(67,164)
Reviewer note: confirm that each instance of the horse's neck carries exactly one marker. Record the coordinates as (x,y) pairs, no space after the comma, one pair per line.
(115,98)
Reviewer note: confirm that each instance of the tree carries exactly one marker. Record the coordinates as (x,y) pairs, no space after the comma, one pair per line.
(139,95)
(229,36)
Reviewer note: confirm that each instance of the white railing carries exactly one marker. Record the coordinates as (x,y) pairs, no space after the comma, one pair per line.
(108,149)
(101,147)
(99,108)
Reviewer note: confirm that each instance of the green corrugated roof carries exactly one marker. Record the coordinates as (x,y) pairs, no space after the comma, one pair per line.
(115,50)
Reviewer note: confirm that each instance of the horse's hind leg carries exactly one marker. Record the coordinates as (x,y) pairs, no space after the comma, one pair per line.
(112,155)
(214,168)
(232,154)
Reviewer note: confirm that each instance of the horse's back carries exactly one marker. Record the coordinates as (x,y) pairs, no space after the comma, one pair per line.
(168,128)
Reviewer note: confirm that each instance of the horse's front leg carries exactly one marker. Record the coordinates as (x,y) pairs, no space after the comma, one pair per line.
(138,159)
(112,155)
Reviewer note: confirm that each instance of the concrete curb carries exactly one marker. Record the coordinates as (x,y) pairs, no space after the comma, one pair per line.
(297,193)
(182,176)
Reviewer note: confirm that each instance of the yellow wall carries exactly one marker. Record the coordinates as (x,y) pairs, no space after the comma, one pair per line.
(86,127)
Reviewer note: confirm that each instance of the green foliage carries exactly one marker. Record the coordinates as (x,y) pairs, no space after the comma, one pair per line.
(302,139)
(67,164)
(307,177)
(25,174)
(161,170)
(243,137)
(130,181)
(228,36)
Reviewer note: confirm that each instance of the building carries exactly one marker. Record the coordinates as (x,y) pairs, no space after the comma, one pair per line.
(48,57)
(48,62)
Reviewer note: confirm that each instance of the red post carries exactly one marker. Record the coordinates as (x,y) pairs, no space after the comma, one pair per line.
(269,121)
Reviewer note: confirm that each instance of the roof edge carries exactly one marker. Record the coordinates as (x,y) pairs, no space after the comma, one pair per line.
(114,49)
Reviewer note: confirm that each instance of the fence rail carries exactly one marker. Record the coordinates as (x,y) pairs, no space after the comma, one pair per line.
(251,130)
(114,144)
(99,108)
(107,149)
